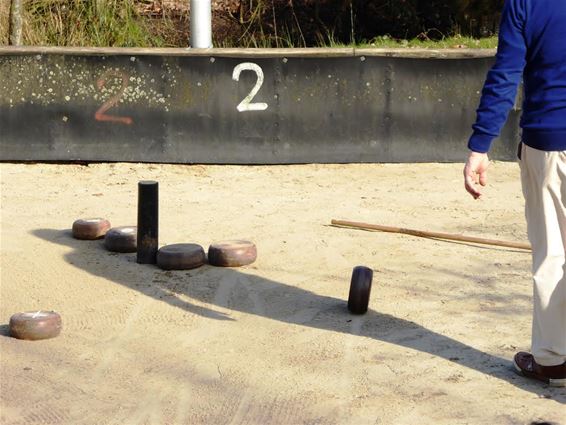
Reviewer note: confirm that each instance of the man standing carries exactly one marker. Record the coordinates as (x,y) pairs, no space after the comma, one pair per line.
(532,45)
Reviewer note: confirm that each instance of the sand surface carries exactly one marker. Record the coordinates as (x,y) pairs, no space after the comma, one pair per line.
(270,343)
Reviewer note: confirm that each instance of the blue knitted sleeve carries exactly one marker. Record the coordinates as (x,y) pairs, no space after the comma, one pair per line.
(500,88)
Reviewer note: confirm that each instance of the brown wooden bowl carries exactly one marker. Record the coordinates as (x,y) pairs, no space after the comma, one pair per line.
(181,256)
(122,239)
(233,253)
(90,228)
(35,325)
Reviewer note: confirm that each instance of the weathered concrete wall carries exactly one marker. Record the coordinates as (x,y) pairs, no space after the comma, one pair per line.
(186,106)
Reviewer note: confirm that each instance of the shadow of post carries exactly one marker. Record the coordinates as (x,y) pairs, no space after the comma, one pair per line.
(285,303)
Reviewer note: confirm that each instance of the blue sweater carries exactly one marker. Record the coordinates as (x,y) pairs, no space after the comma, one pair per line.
(532,45)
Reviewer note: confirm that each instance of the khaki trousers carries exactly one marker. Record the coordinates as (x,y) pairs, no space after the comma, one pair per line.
(543,176)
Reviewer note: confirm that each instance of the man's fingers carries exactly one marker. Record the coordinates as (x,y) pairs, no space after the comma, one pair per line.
(473,192)
(471,187)
(475,173)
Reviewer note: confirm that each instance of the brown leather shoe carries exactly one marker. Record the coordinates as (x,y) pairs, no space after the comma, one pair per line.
(554,376)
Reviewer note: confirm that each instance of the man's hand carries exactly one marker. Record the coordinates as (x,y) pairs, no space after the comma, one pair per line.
(475,172)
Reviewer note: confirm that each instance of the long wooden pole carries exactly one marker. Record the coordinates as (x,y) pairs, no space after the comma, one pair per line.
(426,234)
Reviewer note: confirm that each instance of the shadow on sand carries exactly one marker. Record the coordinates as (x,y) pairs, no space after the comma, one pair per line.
(281,302)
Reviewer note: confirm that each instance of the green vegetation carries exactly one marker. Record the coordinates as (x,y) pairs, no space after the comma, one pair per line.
(455,42)
(89,23)
(258,23)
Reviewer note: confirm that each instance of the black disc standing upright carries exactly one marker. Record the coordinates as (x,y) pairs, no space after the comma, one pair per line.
(360,288)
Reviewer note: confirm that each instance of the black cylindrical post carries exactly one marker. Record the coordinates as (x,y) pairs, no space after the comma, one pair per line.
(147,222)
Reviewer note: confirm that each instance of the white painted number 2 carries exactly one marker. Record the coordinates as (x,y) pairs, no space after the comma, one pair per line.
(246,104)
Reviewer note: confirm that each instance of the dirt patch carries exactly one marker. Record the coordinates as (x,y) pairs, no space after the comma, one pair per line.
(270,343)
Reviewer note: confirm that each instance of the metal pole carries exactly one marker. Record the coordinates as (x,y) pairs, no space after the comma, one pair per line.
(16,11)
(201,24)
(147,222)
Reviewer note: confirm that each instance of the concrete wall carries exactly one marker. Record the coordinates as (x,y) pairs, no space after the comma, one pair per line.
(180,105)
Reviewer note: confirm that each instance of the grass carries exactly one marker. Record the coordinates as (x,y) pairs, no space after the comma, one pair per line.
(120,23)
(87,23)
(458,42)
(454,42)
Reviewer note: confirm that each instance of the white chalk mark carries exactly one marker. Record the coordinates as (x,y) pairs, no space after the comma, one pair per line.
(246,105)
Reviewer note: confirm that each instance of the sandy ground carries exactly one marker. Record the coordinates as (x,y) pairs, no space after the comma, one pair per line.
(270,343)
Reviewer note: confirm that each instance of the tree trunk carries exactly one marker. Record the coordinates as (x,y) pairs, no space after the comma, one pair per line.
(16,21)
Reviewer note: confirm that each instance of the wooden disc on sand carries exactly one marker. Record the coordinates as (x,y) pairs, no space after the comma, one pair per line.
(233,253)
(35,325)
(90,228)
(122,239)
(180,256)
(360,288)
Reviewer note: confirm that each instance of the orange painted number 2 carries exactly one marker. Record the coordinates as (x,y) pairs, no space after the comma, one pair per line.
(100,114)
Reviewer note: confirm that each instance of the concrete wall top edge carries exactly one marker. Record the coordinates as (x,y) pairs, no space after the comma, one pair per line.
(258,53)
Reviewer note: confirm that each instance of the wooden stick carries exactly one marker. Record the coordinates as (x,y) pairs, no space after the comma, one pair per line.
(425,234)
